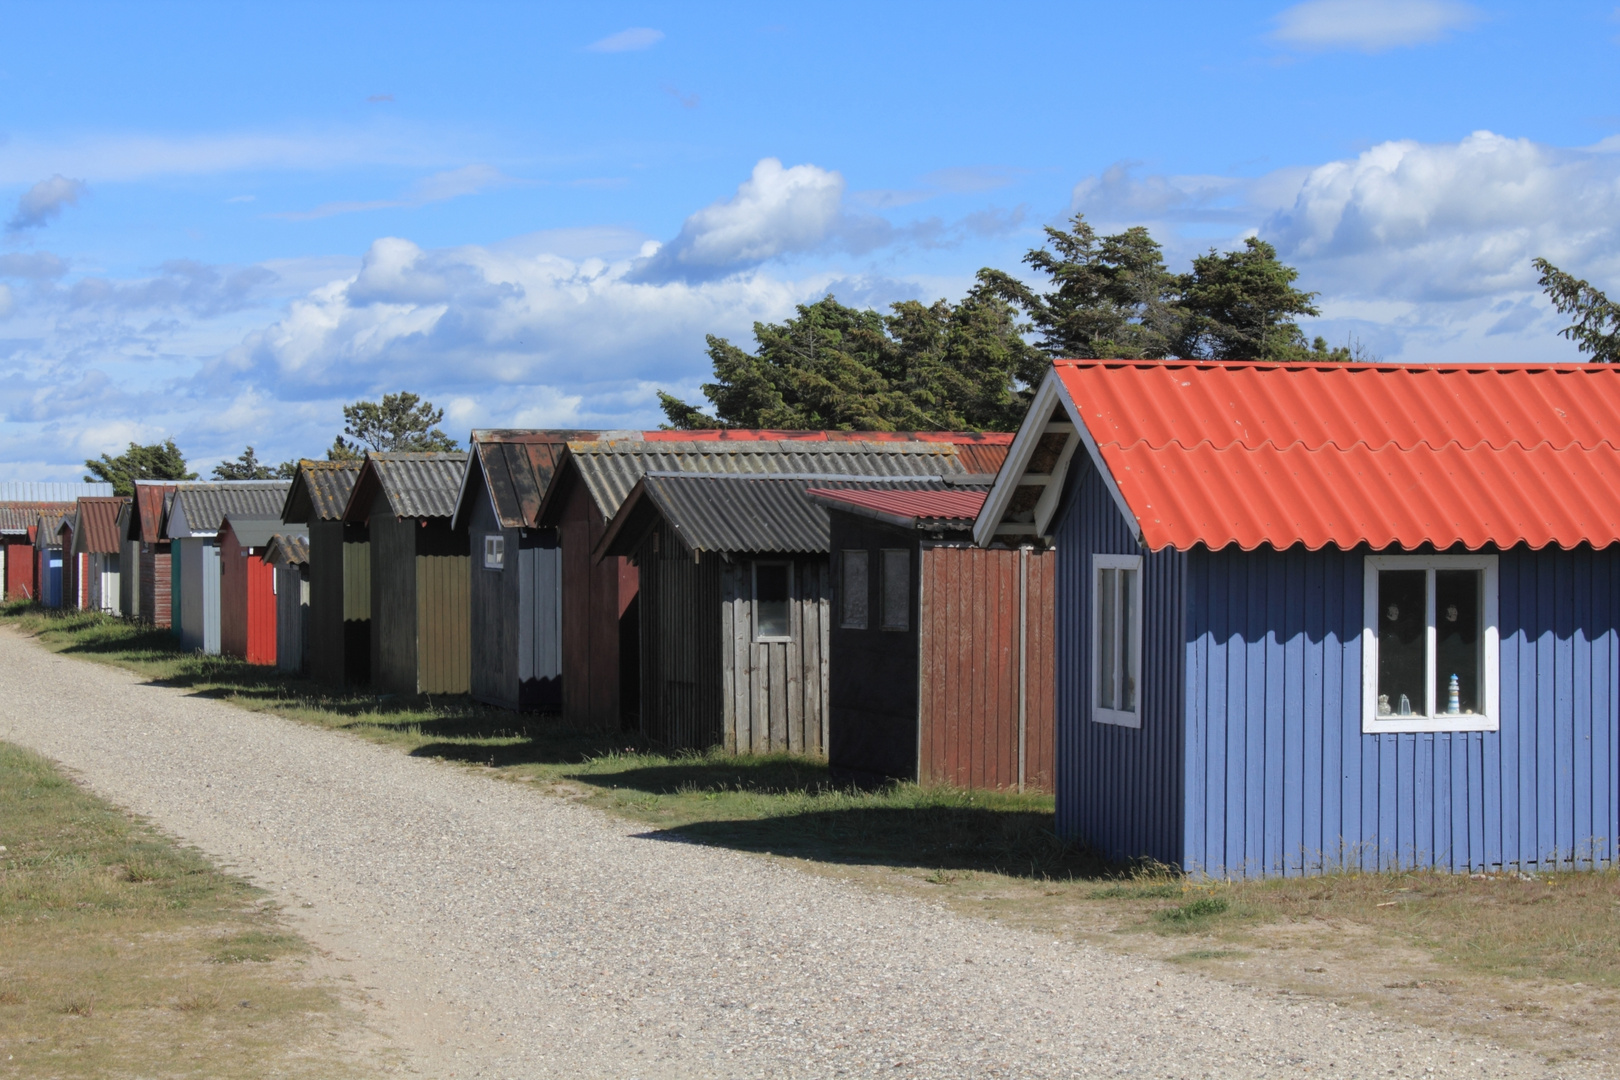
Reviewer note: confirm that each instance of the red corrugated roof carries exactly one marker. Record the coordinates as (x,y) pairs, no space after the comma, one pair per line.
(917,505)
(1390,454)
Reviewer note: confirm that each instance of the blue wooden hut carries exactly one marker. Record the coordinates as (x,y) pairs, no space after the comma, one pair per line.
(1330,616)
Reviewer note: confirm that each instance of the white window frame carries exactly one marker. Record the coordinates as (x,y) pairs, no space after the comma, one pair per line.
(1100,715)
(494,551)
(1491,719)
(753,572)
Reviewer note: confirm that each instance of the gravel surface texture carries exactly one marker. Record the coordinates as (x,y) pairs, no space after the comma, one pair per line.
(499,932)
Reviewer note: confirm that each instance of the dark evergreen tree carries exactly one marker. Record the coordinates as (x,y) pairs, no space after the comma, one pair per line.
(158,461)
(1596,329)
(402,422)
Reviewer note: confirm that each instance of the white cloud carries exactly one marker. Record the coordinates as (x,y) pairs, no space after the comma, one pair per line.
(6,302)
(1371,25)
(121,158)
(775,211)
(44,202)
(632,40)
(32,264)
(440,187)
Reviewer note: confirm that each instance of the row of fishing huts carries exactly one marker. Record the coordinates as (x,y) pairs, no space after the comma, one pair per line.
(1241,618)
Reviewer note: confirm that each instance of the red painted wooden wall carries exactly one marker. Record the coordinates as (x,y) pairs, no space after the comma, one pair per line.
(247,603)
(970,668)
(20,567)
(595,596)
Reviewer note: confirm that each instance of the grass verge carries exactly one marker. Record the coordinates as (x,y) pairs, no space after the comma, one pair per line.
(123,954)
(1531,961)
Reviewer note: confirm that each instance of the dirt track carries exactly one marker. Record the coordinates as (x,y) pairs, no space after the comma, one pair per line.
(503,933)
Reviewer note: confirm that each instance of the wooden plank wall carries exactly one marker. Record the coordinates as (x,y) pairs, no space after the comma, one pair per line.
(594,598)
(775,694)
(680,644)
(539,617)
(970,668)
(393,600)
(444,657)
(292,618)
(494,615)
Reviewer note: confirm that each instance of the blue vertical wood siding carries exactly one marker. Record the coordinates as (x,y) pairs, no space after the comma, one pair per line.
(1118,789)
(1279,778)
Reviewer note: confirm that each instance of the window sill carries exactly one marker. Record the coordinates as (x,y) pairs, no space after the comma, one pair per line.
(771,640)
(1100,715)
(1402,725)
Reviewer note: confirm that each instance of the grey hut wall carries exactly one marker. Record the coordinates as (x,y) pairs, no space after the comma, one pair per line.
(199,595)
(775,694)
(1120,789)
(292,617)
(339,603)
(515,614)
(705,681)
(129,580)
(393,599)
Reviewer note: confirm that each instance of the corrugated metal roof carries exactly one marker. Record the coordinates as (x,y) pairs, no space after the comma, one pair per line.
(1394,454)
(150,513)
(252,531)
(320,491)
(909,509)
(202,505)
(417,485)
(978,451)
(736,513)
(16,518)
(50,491)
(97,533)
(50,526)
(517,467)
(611,468)
(291,549)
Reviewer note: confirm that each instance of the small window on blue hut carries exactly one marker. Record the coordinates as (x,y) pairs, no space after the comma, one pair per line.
(1116,623)
(494,552)
(896,589)
(1429,643)
(852,590)
(771,599)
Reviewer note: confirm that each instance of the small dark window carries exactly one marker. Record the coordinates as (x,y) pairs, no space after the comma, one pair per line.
(771,597)
(494,552)
(896,589)
(853,596)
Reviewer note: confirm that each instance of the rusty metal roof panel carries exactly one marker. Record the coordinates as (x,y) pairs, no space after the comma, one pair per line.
(1317,454)
(16,518)
(756,513)
(149,512)
(517,467)
(954,507)
(97,532)
(610,468)
(320,491)
(198,508)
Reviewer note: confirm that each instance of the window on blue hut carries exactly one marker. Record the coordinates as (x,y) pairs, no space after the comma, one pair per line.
(772,588)
(853,595)
(1429,643)
(1116,635)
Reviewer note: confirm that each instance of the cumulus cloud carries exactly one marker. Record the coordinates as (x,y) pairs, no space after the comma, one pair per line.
(440,187)
(38,265)
(775,211)
(1371,25)
(44,202)
(632,40)
(182,284)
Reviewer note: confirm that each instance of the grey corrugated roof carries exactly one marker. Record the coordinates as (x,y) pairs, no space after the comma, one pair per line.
(418,485)
(749,513)
(611,468)
(293,550)
(320,491)
(50,524)
(253,531)
(16,518)
(204,505)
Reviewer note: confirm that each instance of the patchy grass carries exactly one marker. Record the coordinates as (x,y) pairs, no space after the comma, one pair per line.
(1527,960)
(111,942)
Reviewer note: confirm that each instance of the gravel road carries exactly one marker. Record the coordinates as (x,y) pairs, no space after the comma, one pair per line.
(500,932)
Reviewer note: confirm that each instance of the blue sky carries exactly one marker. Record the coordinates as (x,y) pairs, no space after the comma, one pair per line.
(223,221)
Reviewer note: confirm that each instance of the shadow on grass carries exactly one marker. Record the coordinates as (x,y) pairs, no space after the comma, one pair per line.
(941,838)
(766,775)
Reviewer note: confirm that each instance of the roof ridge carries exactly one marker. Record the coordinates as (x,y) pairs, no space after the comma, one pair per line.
(1344,447)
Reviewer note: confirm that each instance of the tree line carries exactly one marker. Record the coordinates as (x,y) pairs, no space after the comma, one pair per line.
(973,365)
(400,422)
